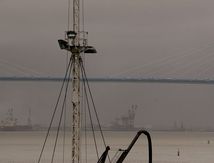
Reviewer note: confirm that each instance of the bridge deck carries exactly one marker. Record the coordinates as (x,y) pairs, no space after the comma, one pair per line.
(125,80)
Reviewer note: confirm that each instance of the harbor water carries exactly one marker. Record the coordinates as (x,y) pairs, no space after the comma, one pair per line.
(168,147)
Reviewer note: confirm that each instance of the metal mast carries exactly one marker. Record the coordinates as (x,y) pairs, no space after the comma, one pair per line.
(76,45)
(76,84)
(76,21)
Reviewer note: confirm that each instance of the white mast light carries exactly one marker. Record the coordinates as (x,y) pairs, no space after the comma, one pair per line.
(71,34)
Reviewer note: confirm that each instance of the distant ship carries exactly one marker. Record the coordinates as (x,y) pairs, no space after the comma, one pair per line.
(10,123)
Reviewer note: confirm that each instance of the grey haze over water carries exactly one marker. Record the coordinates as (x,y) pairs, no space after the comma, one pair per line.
(139,38)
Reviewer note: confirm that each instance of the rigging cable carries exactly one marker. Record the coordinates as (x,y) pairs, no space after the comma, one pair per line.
(86,79)
(83,16)
(64,125)
(69,9)
(55,108)
(83,57)
(90,116)
(116,156)
(60,120)
(84,112)
(64,134)
(85,117)
(68,28)
(94,107)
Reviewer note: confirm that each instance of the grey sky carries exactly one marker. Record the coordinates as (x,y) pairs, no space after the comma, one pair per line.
(159,38)
(130,33)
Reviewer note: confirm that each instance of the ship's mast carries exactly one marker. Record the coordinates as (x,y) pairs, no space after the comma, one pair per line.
(76,21)
(76,44)
(76,84)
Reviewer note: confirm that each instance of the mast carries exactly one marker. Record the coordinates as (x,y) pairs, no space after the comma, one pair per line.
(76,44)
(76,84)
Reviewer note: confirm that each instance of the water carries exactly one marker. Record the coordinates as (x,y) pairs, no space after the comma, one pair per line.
(193,147)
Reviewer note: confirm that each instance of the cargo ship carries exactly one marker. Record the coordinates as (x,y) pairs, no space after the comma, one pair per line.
(125,122)
(10,123)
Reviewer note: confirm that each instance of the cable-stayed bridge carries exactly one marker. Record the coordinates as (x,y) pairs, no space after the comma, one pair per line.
(109,79)
(192,66)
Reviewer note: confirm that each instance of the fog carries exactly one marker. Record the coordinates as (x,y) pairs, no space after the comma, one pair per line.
(139,38)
